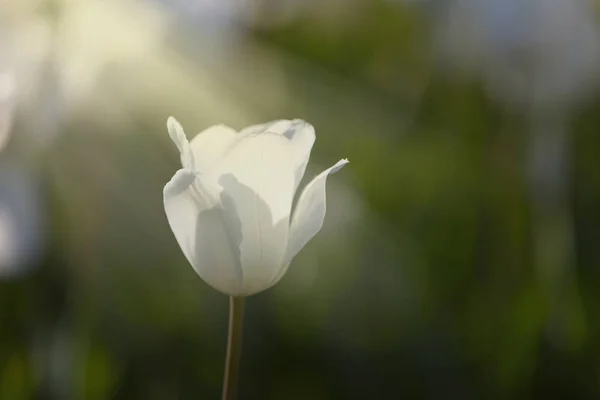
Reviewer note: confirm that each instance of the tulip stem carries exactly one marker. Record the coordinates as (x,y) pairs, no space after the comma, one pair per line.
(234,347)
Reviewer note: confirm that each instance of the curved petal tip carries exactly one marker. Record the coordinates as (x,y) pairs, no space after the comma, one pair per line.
(176,132)
(179,182)
(338,165)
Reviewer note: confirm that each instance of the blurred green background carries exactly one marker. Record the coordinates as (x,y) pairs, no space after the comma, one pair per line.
(460,253)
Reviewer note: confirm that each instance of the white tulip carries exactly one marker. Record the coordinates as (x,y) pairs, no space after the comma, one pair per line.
(230,206)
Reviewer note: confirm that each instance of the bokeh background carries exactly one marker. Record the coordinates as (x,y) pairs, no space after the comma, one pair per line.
(460,257)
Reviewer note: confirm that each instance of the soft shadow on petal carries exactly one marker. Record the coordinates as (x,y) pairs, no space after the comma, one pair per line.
(264,163)
(211,145)
(295,130)
(301,135)
(309,214)
(210,243)
(263,241)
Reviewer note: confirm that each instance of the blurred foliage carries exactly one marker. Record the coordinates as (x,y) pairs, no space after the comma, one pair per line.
(423,283)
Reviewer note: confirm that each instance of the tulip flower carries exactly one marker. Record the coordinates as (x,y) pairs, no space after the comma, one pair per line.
(230,205)
(230,208)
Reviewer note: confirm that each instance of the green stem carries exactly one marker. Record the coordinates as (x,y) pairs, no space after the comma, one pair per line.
(234,347)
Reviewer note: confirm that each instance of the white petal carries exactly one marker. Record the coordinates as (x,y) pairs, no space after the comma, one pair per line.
(178,137)
(255,129)
(257,177)
(204,232)
(300,133)
(302,136)
(309,214)
(211,145)
(279,126)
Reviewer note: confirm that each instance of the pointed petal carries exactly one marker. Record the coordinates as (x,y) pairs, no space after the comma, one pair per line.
(309,214)
(202,232)
(257,178)
(178,137)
